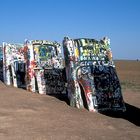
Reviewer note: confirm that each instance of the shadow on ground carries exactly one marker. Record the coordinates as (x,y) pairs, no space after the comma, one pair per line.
(132,114)
(61,97)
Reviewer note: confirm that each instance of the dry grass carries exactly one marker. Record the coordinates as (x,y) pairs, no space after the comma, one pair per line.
(129,74)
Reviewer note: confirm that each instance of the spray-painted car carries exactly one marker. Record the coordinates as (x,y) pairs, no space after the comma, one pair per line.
(44,67)
(13,65)
(1,63)
(92,81)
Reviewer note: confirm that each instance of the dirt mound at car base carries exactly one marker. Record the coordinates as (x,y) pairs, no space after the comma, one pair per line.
(25,115)
(2,85)
(29,116)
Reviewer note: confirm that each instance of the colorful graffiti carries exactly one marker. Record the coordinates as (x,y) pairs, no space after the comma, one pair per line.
(1,63)
(91,76)
(83,70)
(13,64)
(44,67)
(55,81)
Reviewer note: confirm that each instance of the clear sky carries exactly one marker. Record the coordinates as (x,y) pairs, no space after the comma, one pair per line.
(54,19)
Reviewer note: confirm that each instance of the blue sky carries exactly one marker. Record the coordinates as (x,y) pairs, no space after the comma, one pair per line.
(54,19)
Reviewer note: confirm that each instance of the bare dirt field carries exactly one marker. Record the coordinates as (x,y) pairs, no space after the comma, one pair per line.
(30,116)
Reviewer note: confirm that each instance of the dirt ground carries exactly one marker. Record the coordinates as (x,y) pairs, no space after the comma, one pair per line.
(30,116)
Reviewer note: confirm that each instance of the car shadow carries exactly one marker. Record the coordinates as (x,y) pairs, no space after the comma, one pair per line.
(132,114)
(61,97)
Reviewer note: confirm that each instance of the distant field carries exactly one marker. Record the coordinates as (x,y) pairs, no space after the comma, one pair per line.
(129,74)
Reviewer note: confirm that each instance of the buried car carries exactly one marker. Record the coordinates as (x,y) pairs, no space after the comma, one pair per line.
(13,64)
(92,81)
(44,67)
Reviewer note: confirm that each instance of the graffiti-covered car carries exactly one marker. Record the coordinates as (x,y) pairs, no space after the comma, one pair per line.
(1,63)
(13,65)
(92,81)
(45,67)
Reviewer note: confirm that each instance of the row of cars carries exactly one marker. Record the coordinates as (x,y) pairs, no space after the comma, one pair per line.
(80,69)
